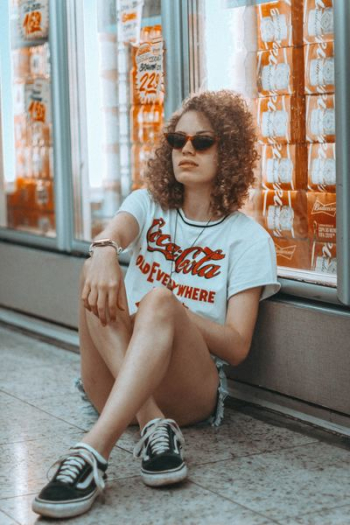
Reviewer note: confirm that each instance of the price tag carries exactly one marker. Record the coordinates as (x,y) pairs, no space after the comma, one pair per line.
(34,19)
(130,14)
(38,103)
(149,71)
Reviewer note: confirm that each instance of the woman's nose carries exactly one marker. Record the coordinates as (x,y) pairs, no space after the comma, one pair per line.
(188,147)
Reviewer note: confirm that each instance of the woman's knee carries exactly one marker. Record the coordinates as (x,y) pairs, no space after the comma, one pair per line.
(158,302)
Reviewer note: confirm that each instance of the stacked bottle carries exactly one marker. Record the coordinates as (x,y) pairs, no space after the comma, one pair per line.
(32,203)
(320,133)
(280,113)
(147,99)
(295,197)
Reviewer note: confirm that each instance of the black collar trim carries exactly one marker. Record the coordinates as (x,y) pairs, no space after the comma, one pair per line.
(200,225)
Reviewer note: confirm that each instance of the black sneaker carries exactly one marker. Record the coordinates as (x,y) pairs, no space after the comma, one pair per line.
(161,449)
(76,483)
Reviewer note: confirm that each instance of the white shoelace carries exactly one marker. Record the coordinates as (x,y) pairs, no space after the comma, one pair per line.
(73,462)
(158,436)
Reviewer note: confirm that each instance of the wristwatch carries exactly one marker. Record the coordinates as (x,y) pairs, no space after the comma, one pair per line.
(105,242)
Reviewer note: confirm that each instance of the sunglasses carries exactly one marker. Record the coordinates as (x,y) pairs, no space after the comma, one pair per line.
(177,140)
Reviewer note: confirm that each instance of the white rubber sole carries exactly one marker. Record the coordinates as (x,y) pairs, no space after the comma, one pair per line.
(63,509)
(164,478)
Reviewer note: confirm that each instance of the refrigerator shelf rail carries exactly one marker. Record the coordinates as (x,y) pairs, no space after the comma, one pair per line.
(342,126)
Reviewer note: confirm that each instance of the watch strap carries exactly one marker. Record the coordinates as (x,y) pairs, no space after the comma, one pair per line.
(100,243)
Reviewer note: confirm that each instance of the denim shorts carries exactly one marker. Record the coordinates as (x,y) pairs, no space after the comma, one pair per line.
(214,420)
(217,417)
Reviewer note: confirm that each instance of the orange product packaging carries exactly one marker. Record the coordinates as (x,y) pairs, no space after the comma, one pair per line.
(321,167)
(280,119)
(146,122)
(322,216)
(136,123)
(44,195)
(19,98)
(280,71)
(25,189)
(284,214)
(292,253)
(22,219)
(20,63)
(147,72)
(319,68)
(11,216)
(280,24)
(39,61)
(21,131)
(320,118)
(33,19)
(25,184)
(39,133)
(284,167)
(140,154)
(152,121)
(34,221)
(38,100)
(11,200)
(42,173)
(318,21)
(324,257)
(45,222)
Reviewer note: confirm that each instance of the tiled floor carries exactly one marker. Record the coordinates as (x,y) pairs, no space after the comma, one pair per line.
(259,468)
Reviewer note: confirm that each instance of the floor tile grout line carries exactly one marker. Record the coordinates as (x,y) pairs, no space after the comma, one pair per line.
(232,501)
(17,496)
(45,412)
(133,476)
(26,401)
(25,441)
(123,448)
(233,458)
(317,441)
(84,430)
(9,516)
(273,520)
(289,517)
(36,439)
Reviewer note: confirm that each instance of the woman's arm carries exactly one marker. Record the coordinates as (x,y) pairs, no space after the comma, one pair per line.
(103,276)
(231,341)
(122,229)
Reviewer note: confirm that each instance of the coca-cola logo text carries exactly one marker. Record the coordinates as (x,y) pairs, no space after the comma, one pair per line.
(195,260)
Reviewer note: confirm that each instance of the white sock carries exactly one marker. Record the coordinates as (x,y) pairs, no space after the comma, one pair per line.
(91,449)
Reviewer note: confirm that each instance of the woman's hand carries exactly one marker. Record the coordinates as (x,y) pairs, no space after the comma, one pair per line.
(103,292)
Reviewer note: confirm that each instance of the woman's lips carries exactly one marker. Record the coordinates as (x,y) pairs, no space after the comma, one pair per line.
(188,163)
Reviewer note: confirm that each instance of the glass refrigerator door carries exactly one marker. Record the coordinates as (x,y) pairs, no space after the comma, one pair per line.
(280,56)
(117,103)
(27,185)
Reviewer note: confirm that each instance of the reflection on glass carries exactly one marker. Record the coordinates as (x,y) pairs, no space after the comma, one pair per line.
(30,195)
(119,101)
(279,55)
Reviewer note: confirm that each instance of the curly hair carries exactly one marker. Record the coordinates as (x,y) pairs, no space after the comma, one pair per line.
(233,123)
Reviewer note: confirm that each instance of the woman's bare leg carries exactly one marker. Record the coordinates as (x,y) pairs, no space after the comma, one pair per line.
(102,352)
(168,358)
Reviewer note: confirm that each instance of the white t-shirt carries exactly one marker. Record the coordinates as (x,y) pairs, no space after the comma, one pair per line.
(208,263)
